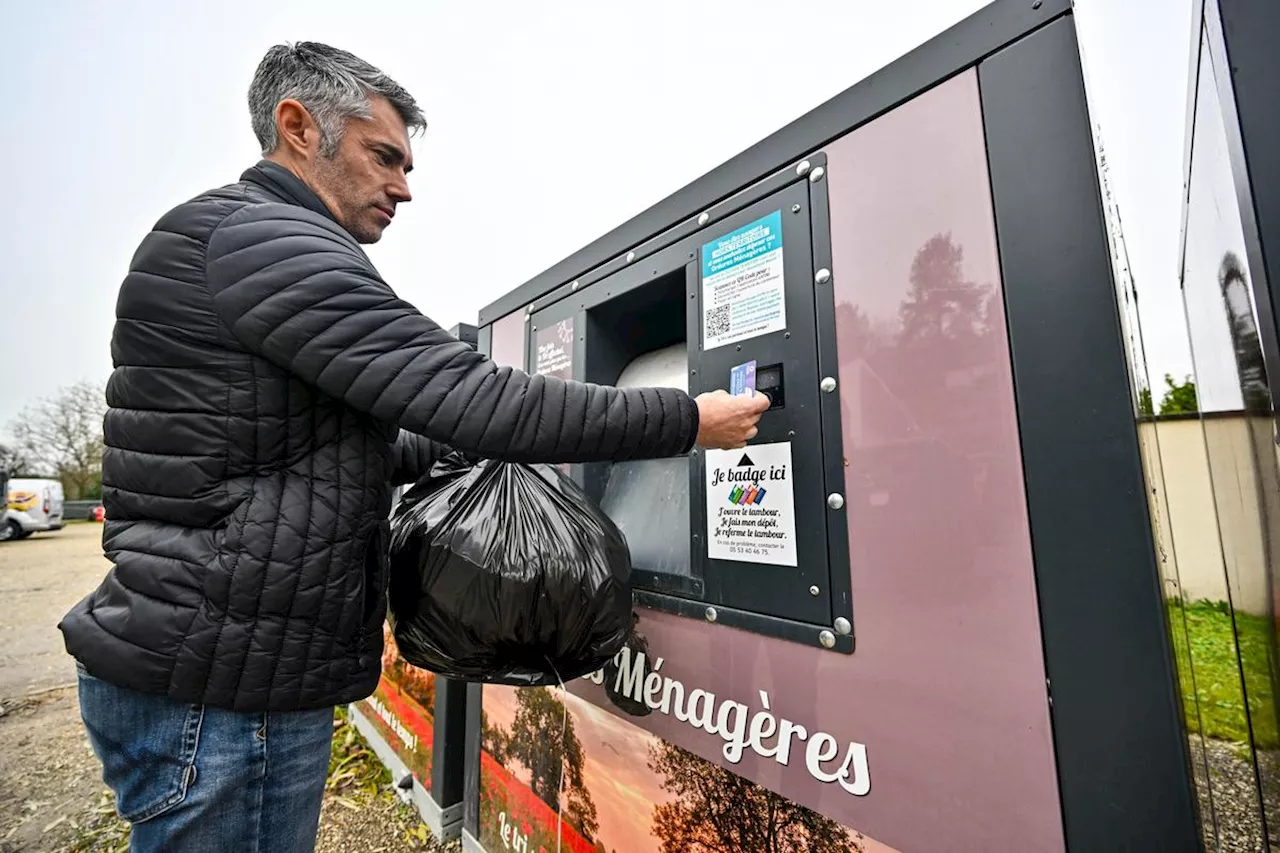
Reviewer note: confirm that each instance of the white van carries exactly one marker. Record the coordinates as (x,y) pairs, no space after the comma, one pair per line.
(33,506)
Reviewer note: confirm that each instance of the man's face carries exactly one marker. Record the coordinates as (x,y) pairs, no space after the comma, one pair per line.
(367,177)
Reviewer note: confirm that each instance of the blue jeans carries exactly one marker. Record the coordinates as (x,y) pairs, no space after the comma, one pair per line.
(195,779)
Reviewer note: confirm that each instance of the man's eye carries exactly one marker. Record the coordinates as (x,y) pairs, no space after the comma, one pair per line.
(384,158)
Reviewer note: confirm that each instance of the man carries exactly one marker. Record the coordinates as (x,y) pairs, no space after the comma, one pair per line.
(269,390)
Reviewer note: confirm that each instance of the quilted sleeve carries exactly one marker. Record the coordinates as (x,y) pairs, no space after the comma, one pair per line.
(295,289)
(412,456)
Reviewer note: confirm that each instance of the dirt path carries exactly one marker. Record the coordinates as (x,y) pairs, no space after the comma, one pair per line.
(51,795)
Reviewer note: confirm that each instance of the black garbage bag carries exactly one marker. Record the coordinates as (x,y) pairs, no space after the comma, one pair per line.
(506,573)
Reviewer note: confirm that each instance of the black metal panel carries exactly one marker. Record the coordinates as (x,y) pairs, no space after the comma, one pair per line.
(778,591)
(614,322)
(448,757)
(841,579)
(466,333)
(1121,749)
(981,34)
(471,759)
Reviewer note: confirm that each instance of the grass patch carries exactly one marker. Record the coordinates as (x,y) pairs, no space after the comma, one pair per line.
(353,766)
(1217,707)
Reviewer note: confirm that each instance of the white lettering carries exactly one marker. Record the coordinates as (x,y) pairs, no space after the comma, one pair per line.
(767,734)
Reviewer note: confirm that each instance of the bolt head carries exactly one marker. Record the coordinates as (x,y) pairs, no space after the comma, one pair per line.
(803,168)
(711,615)
(843,626)
(813,590)
(795,208)
(835,500)
(631,256)
(822,276)
(828,384)
(573,286)
(816,175)
(827,639)
(704,219)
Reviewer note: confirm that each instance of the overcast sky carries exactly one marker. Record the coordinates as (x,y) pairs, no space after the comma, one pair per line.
(551,123)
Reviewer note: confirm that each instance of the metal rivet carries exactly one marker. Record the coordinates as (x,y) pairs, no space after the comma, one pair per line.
(823,276)
(816,175)
(711,617)
(739,347)
(693,296)
(791,433)
(827,639)
(631,256)
(786,335)
(535,328)
(803,168)
(529,308)
(813,590)
(835,500)
(795,208)
(828,384)
(694,372)
(1037,4)
(843,626)
(573,286)
(527,318)
(704,219)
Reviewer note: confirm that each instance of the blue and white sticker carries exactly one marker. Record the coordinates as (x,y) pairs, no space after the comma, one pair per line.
(743,295)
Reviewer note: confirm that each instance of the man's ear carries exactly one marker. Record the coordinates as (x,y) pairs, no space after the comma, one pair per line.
(296,129)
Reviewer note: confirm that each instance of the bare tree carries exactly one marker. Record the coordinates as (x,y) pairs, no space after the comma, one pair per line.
(62,435)
(15,463)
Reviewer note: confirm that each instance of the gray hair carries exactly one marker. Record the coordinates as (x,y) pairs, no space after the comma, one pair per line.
(332,84)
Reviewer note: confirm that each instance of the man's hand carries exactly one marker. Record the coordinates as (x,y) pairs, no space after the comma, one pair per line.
(726,422)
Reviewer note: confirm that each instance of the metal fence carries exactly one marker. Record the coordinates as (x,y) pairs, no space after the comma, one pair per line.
(78,510)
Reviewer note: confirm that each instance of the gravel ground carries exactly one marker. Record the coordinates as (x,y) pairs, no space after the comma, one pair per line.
(1234,792)
(51,795)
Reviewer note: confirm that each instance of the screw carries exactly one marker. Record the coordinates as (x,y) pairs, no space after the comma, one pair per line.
(786,335)
(828,384)
(827,639)
(817,175)
(791,433)
(711,617)
(822,276)
(739,347)
(835,500)
(803,168)
(631,256)
(843,626)
(1037,4)
(813,590)
(704,219)
(693,372)
(795,208)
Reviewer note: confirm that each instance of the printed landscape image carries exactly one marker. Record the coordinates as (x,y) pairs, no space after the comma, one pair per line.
(406,695)
(553,764)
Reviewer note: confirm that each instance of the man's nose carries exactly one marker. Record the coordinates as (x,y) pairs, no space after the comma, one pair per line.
(399,191)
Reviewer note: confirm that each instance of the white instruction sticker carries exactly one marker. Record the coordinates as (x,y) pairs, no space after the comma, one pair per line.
(742,284)
(751,505)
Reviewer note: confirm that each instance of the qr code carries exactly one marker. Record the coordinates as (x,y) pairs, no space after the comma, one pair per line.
(717,322)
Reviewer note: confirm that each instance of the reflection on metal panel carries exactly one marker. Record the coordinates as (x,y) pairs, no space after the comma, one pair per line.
(1213,474)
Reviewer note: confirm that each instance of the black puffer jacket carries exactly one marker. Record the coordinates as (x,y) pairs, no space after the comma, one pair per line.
(269,390)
